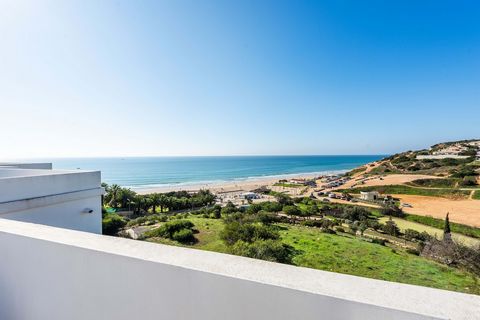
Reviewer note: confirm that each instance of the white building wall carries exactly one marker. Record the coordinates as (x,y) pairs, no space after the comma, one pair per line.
(68,214)
(66,199)
(49,273)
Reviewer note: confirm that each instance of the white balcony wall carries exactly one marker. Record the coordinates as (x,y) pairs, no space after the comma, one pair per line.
(49,273)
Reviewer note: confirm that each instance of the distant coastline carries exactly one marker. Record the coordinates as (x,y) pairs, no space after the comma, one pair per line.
(189,173)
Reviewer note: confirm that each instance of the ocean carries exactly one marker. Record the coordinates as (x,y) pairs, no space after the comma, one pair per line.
(151,172)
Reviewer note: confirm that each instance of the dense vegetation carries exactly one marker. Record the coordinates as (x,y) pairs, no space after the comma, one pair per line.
(123,198)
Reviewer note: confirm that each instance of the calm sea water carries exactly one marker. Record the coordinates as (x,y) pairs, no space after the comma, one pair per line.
(167,171)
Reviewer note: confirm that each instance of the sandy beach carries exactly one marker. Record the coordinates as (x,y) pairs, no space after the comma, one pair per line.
(227,186)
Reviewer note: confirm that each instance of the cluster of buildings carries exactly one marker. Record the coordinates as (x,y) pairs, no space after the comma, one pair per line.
(334,181)
(453,151)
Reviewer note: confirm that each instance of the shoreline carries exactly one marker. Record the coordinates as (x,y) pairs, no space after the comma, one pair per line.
(242,184)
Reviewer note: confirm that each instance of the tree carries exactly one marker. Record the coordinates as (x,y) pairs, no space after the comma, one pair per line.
(447,236)
(112,195)
(154,201)
(390,227)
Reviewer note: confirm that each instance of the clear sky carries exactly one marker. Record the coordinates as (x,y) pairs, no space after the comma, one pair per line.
(133,78)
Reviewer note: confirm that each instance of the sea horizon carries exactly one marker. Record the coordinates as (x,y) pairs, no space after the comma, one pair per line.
(183,171)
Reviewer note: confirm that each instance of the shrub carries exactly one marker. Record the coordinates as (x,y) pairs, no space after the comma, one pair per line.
(390,227)
(292,210)
(112,223)
(229,208)
(283,199)
(253,208)
(392,211)
(238,231)
(453,254)
(411,234)
(266,217)
(271,206)
(147,220)
(270,250)
(413,251)
(183,236)
(355,213)
(468,181)
(169,228)
(379,241)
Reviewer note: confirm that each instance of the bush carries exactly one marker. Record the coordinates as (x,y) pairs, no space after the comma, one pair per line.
(253,208)
(379,241)
(413,251)
(266,217)
(112,223)
(392,211)
(271,206)
(169,228)
(147,220)
(390,227)
(246,232)
(453,254)
(411,234)
(229,208)
(292,210)
(468,181)
(184,236)
(270,250)
(355,213)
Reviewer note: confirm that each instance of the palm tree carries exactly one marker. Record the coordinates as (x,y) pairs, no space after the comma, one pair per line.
(155,201)
(112,194)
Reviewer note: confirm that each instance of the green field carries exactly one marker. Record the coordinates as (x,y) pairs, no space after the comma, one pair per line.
(348,254)
(439,223)
(436,232)
(403,189)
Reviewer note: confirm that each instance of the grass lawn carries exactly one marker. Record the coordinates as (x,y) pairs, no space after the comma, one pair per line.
(433,231)
(356,257)
(439,223)
(403,189)
(347,254)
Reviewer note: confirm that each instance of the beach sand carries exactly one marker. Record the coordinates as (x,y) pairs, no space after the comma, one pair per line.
(227,186)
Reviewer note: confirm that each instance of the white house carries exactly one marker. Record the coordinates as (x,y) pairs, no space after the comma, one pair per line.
(60,198)
(369,195)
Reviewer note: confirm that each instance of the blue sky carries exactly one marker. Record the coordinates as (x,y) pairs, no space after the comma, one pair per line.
(133,78)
